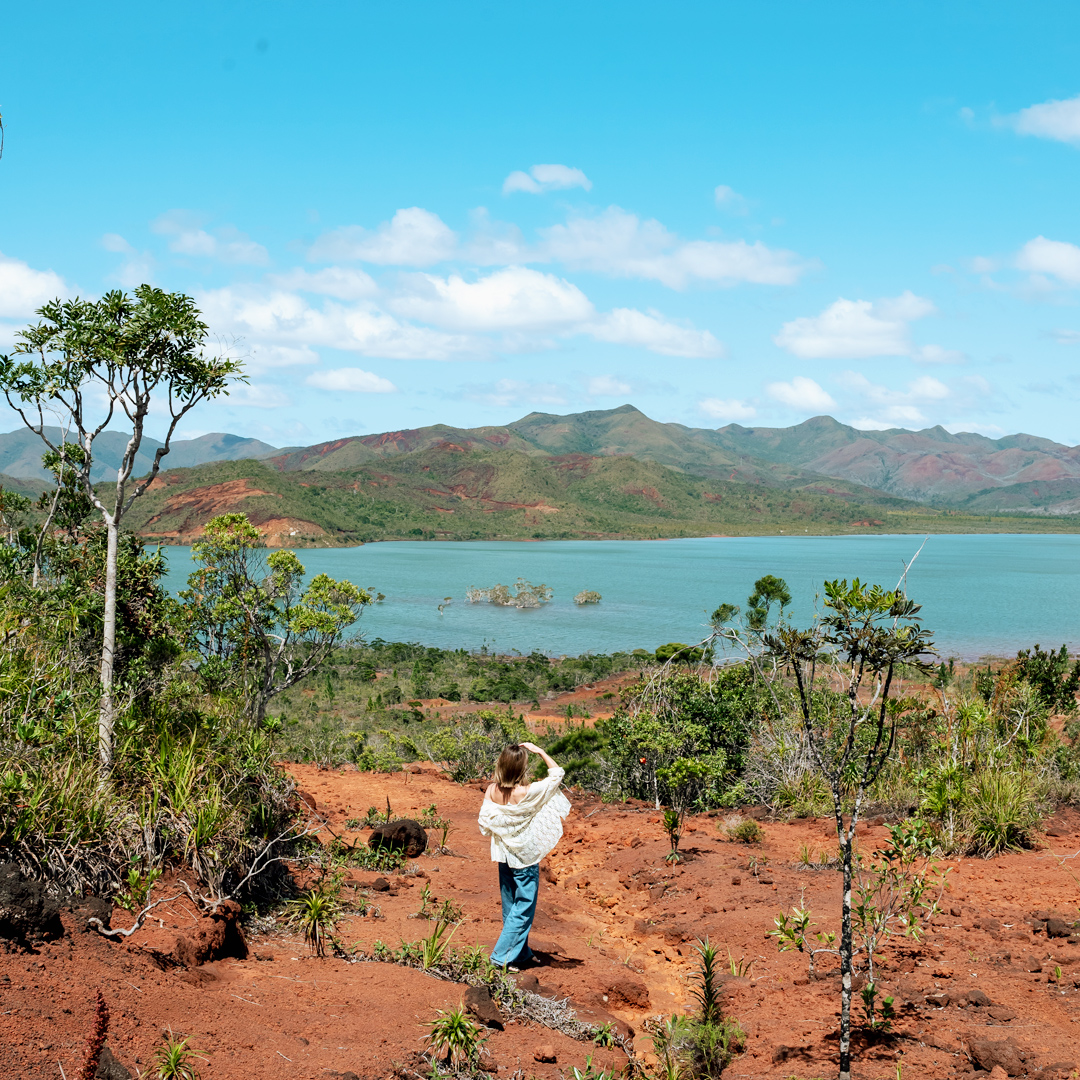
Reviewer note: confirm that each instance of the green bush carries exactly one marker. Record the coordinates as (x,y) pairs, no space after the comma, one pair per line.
(468,749)
(681,739)
(1000,812)
(745,831)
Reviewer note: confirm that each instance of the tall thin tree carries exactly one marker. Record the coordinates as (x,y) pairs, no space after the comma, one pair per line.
(92,363)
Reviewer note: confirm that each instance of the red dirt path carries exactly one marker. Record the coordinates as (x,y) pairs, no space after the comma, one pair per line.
(622,925)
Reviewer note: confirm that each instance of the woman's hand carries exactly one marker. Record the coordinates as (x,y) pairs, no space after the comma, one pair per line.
(533,748)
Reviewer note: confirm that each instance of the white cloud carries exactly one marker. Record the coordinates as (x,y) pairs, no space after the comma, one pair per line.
(341,282)
(136,269)
(514,298)
(23,289)
(413,237)
(115,242)
(259,397)
(935,354)
(541,178)
(901,408)
(728,409)
(279,317)
(855,329)
(1066,337)
(263,355)
(494,243)
(620,244)
(607,386)
(351,380)
(516,392)
(1055,258)
(730,200)
(1053,119)
(627,326)
(227,244)
(801,393)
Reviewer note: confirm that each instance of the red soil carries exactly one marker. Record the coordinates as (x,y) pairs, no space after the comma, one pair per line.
(619,927)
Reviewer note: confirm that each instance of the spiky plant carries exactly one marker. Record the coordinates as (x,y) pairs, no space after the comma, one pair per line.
(315,913)
(173,1060)
(454,1034)
(705,991)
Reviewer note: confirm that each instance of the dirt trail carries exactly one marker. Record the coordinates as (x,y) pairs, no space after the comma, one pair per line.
(618,926)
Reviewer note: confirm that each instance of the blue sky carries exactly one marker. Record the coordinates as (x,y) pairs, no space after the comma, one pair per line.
(405,214)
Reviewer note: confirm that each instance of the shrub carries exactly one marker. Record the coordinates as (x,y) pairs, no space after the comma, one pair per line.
(681,738)
(743,830)
(315,913)
(454,1034)
(1000,812)
(173,1060)
(587,596)
(468,749)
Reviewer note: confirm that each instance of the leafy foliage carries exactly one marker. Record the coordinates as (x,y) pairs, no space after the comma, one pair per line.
(249,618)
(174,1059)
(525,595)
(88,363)
(315,913)
(455,1035)
(680,739)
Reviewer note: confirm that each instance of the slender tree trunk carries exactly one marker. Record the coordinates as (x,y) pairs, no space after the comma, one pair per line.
(108,649)
(845,957)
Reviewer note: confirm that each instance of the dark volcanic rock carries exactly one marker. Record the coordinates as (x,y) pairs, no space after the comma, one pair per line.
(480,1004)
(27,913)
(109,1068)
(403,835)
(91,907)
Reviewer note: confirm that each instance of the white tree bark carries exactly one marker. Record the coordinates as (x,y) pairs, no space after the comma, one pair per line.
(106,713)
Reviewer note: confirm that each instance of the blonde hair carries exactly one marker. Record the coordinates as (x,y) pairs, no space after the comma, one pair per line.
(511,766)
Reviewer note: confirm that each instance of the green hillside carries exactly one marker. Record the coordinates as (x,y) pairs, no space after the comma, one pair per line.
(501,494)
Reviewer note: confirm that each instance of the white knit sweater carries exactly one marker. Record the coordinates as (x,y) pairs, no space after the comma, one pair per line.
(523,833)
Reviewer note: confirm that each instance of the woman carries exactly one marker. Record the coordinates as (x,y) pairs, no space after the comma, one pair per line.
(524,823)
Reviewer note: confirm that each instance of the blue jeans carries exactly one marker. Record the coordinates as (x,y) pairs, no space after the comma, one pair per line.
(519,890)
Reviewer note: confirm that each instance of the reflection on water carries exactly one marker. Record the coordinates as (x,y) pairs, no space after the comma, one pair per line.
(983,595)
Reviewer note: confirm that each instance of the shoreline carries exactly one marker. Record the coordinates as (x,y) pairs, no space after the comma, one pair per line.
(152,542)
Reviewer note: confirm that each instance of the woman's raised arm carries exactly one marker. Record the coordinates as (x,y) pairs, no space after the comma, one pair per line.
(548,760)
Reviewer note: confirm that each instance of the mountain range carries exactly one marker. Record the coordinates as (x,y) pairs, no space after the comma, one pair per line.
(21,450)
(600,473)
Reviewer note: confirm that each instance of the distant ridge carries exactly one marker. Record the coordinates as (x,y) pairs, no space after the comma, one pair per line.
(964,471)
(21,450)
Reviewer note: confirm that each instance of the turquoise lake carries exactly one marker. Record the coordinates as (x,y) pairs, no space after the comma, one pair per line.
(982,595)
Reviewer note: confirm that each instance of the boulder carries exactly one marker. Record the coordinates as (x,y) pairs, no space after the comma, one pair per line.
(480,1004)
(627,990)
(27,912)
(216,936)
(1057,928)
(977,998)
(986,1054)
(91,907)
(545,1054)
(108,1068)
(404,835)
